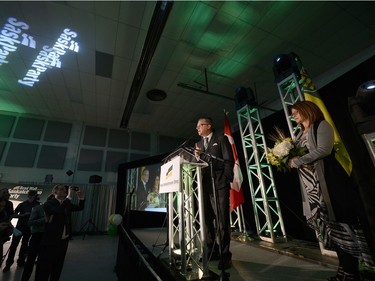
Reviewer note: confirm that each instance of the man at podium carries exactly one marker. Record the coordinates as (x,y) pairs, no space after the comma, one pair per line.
(142,189)
(216,150)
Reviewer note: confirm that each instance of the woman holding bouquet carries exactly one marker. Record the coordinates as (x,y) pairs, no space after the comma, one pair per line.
(327,192)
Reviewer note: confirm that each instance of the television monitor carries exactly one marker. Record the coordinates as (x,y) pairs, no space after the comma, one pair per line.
(138,186)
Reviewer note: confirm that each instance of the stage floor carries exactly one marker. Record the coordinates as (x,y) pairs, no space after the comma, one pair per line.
(257,260)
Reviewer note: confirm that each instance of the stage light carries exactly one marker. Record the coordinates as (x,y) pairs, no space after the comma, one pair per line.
(362,110)
(244,96)
(286,64)
(365,98)
(365,88)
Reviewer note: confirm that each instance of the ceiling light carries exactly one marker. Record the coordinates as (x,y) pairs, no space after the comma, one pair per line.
(156,95)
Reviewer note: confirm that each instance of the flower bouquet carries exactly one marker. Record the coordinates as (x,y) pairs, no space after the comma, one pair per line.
(283,150)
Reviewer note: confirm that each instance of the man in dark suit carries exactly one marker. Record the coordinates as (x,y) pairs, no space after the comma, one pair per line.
(217,145)
(55,240)
(142,189)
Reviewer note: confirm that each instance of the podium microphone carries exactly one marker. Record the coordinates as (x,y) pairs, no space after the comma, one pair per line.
(182,145)
(186,141)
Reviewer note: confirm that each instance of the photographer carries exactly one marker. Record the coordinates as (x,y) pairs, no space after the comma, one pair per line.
(55,241)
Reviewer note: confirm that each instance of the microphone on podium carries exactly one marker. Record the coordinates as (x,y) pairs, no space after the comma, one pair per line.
(186,141)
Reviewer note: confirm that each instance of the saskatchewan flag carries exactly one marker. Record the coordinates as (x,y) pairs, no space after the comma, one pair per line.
(312,95)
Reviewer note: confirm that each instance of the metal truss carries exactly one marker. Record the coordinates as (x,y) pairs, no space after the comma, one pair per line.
(290,92)
(268,218)
(237,221)
(187,250)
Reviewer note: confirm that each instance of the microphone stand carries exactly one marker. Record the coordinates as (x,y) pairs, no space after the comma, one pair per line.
(224,276)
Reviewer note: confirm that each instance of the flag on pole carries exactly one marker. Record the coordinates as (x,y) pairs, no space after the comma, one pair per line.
(311,94)
(236,197)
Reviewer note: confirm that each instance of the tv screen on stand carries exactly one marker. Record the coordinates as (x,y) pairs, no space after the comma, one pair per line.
(138,186)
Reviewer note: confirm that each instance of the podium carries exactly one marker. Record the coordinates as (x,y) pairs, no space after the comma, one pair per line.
(181,178)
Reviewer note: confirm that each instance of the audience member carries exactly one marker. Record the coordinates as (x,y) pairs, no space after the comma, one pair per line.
(22,212)
(54,244)
(6,212)
(4,193)
(36,222)
(6,227)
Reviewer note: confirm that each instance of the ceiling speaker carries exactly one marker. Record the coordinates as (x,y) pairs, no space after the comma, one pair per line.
(48,178)
(95,179)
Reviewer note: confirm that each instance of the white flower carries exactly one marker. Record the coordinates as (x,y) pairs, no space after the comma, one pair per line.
(282,149)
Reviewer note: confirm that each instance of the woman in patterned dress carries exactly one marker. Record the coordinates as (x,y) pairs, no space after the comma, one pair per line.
(328,198)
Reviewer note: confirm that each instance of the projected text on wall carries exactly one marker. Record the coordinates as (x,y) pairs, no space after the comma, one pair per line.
(49,57)
(12,35)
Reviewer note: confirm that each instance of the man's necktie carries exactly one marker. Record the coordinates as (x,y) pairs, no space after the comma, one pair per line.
(205,143)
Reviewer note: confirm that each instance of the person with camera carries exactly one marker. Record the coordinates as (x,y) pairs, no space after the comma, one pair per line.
(22,212)
(54,244)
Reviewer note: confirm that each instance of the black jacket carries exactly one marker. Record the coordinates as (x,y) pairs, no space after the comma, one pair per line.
(219,147)
(58,216)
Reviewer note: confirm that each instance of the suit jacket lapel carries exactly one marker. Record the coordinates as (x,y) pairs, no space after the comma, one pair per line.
(211,142)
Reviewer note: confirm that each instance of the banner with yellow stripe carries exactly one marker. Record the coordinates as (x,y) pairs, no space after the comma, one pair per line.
(311,94)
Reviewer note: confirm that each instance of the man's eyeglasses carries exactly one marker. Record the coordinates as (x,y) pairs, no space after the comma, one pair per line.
(200,125)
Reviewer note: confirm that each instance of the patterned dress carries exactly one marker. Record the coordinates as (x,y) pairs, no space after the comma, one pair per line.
(330,232)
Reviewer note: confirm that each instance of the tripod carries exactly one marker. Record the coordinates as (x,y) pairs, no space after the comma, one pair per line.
(166,242)
(87,225)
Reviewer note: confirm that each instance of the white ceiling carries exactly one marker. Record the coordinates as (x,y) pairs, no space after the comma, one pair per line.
(234,42)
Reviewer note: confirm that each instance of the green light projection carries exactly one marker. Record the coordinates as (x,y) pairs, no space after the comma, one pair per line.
(6,99)
(215,32)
